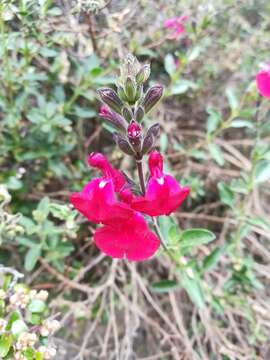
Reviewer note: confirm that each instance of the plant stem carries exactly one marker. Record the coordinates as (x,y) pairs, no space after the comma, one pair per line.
(140,173)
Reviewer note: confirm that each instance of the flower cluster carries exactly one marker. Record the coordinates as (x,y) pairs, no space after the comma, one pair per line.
(110,200)
(25,328)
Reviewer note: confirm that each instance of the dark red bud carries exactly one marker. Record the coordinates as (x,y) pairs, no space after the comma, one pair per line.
(134,133)
(110,97)
(123,144)
(152,96)
(112,117)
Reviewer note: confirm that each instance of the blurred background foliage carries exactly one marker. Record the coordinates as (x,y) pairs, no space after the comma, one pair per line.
(215,133)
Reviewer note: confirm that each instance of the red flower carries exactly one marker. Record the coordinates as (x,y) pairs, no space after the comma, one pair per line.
(97,201)
(125,233)
(129,239)
(176,24)
(100,162)
(163,193)
(263,81)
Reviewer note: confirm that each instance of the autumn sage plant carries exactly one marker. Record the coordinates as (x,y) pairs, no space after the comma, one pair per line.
(113,200)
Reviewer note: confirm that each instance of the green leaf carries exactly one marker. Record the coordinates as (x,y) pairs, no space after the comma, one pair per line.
(164,286)
(37,306)
(196,237)
(213,120)
(262,171)
(5,344)
(226,194)
(18,326)
(212,259)
(31,258)
(193,288)
(169,64)
(232,99)
(217,154)
(84,113)
(239,123)
(182,86)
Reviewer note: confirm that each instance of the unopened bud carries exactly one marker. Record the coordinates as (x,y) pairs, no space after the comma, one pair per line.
(143,74)
(127,113)
(152,96)
(115,119)
(121,93)
(139,114)
(123,144)
(130,90)
(139,92)
(150,138)
(109,97)
(134,133)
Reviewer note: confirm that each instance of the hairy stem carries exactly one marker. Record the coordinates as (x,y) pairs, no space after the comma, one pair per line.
(140,173)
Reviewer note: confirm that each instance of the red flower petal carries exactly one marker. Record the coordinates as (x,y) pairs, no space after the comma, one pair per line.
(131,239)
(163,193)
(100,162)
(97,202)
(263,82)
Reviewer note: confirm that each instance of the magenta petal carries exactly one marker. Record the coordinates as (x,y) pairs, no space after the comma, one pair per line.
(263,83)
(98,203)
(163,196)
(131,239)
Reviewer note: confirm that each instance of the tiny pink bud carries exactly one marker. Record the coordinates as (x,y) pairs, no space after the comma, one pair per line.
(134,130)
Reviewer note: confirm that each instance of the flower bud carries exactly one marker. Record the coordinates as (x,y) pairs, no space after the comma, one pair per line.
(150,138)
(123,144)
(109,97)
(139,92)
(143,74)
(152,96)
(127,113)
(112,117)
(134,133)
(139,114)
(121,93)
(130,90)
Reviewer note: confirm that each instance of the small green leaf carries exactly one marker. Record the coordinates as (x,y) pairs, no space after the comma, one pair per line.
(217,154)
(5,344)
(37,306)
(212,259)
(169,64)
(232,99)
(31,258)
(226,194)
(164,286)
(196,237)
(18,326)
(193,288)
(262,171)
(239,123)
(181,86)
(213,120)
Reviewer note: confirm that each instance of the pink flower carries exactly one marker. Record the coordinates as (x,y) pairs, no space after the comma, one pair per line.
(263,81)
(163,193)
(129,239)
(98,203)
(100,162)
(176,24)
(107,200)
